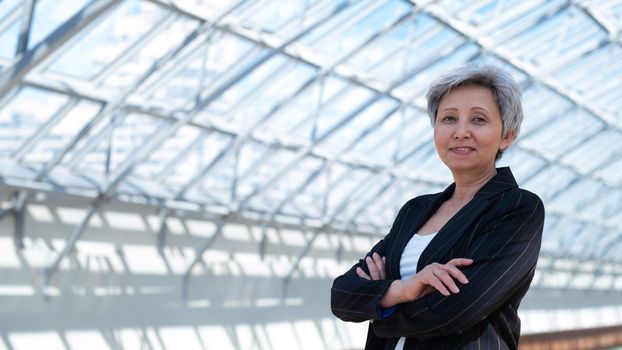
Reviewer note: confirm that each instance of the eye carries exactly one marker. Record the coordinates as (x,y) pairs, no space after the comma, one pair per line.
(448,119)
(478,119)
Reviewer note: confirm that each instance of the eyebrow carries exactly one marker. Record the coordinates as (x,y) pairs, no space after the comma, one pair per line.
(455,109)
(482,108)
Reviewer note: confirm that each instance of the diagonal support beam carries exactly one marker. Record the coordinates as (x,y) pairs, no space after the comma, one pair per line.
(24,35)
(471,33)
(19,213)
(30,59)
(326,222)
(71,241)
(199,253)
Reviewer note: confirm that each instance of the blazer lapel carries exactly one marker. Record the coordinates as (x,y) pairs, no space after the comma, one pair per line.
(458,225)
(452,231)
(418,214)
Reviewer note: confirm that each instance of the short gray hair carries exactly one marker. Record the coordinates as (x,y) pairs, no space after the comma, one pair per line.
(504,88)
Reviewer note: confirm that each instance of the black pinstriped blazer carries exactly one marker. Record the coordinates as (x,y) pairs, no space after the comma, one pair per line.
(500,229)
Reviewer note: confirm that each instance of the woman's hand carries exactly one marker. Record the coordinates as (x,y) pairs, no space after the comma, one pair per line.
(433,277)
(438,277)
(375,265)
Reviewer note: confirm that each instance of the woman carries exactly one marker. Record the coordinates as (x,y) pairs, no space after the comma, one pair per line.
(451,272)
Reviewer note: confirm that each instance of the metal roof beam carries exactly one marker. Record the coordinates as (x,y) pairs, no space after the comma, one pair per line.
(283,143)
(291,49)
(24,35)
(223,128)
(8,20)
(470,32)
(600,20)
(65,32)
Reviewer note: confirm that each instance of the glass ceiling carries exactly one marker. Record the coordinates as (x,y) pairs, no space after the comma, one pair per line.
(306,110)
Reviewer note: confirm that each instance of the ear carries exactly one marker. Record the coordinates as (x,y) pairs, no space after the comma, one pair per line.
(507,140)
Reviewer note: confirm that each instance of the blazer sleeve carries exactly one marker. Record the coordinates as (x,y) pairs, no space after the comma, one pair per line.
(505,252)
(356,299)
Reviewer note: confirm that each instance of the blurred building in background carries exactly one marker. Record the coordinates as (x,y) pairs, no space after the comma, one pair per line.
(193,174)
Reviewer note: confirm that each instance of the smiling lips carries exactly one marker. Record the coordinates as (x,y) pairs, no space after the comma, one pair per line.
(462,149)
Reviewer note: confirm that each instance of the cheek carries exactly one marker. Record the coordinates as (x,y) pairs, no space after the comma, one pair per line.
(440,134)
(438,139)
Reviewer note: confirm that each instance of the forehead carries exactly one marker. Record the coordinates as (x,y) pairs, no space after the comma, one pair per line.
(469,96)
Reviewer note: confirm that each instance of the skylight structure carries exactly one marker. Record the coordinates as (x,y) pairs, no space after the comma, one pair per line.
(309,112)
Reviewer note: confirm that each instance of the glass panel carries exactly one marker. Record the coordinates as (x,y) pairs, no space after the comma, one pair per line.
(108,39)
(524,165)
(351,28)
(207,68)
(606,204)
(64,130)
(123,137)
(353,133)
(149,54)
(264,96)
(274,196)
(334,112)
(575,196)
(163,160)
(544,187)
(551,234)
(256,177)
(611,172)
(595,152)
(542,107)
(9,34)
(257,93)
(195,161)
(8,6)
(337,117)
(50,14)
(563,134)
(398,135)
(366,192)
(269,16)
(29,109)
(451,51)
(212,8)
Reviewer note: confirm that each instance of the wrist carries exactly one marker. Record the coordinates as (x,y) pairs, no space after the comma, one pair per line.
(413,288)
(394,295)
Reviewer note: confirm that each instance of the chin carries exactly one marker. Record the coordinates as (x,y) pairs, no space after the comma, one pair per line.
(467,165)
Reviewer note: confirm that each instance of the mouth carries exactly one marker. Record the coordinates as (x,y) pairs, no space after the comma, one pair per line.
(462,149)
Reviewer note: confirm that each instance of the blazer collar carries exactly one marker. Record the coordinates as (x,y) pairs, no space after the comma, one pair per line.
(501,182)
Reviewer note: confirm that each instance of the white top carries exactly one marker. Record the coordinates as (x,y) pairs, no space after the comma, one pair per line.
(408,263)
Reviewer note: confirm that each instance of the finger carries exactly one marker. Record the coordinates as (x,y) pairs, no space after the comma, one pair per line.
(384,265)
(373,269)
(429,278)
(438,285)
(379,264)
(362,274)
(447,280)
(460,262)
(457,274)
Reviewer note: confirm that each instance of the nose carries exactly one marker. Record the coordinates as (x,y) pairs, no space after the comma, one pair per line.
(462,130)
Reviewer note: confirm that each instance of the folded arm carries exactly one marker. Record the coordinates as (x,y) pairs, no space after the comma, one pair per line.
(356,299)
(504,257)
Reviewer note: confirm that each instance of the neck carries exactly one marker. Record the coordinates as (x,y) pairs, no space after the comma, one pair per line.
(468,183)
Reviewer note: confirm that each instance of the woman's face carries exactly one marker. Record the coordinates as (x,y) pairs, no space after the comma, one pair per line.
(467,130)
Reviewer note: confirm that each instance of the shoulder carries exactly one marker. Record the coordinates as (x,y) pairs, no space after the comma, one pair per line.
(519,199)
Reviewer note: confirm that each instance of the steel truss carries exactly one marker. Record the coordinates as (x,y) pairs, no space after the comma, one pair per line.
(382,176)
